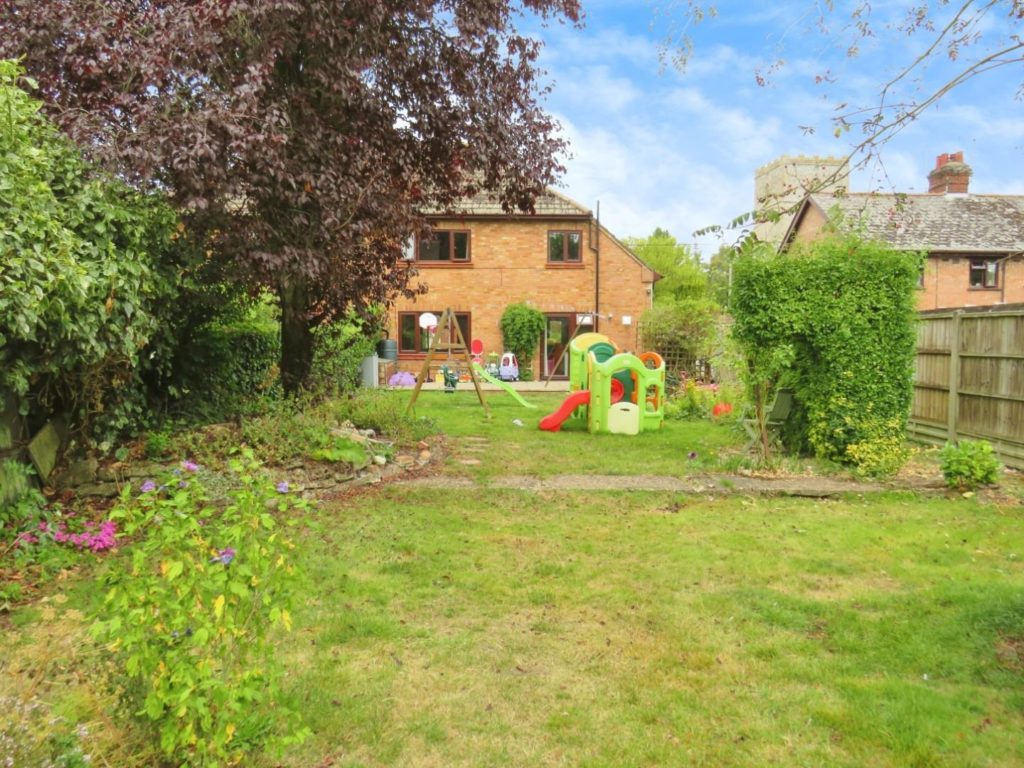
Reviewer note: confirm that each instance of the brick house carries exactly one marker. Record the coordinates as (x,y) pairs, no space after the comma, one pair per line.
(975,243)
(559,259)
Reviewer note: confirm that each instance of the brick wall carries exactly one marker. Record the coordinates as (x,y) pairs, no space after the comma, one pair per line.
(509,264)
(947,282)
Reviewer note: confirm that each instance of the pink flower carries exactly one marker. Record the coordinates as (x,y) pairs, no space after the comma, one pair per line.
(190,466)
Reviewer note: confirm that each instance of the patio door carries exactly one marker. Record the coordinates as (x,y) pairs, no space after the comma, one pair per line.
(559,329)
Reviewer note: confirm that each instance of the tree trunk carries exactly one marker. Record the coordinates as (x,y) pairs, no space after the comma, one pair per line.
(296,333)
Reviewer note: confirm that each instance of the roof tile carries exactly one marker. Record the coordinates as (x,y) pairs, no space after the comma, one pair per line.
(955,222)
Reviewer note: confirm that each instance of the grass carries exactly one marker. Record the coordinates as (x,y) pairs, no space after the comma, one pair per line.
(617,629)
(503,449)
(491,627)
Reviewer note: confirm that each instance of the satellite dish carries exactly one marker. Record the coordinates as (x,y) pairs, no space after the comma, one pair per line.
(428,319)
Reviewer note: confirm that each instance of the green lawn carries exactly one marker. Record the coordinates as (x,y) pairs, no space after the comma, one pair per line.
(491,627)
(527,450)
(610,629)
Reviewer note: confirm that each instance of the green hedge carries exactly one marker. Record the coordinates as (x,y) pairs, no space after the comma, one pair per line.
(834,320)
(226,365)
(86,282)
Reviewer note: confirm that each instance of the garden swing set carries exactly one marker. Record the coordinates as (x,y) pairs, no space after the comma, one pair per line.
(446,337)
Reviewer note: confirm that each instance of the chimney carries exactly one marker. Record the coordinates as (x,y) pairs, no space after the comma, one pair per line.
(951,174)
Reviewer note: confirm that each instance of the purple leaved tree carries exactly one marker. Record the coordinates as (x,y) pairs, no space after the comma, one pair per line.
(300,138)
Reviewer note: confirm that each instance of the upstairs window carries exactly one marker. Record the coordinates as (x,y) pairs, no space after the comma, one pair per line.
(984,273)
(565,247)
(444,246)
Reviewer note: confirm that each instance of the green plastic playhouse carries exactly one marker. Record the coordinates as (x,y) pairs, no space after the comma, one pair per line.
(614,392)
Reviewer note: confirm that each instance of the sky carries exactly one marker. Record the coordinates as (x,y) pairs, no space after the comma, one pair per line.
(657,146)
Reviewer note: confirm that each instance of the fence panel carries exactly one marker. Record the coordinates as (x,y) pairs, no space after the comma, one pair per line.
(969,378)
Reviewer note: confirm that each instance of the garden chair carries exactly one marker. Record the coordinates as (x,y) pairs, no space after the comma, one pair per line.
(774,419)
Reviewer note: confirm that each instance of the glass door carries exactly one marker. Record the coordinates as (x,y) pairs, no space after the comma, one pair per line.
(557,331)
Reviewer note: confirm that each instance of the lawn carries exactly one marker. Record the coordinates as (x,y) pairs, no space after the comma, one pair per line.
(611,629)
(505,628)
(492,627)
(527,450)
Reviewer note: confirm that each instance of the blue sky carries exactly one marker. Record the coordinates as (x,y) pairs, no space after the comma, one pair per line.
(679,149)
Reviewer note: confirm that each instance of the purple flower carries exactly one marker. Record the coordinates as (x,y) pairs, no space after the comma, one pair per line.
(182,484)
(148,486)
(190,466)
(225,556)
(691,455)
(282,487)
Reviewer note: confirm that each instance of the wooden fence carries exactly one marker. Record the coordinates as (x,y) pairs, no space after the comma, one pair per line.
(969,379)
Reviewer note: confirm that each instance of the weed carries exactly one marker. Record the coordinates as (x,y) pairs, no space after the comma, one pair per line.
(969,464)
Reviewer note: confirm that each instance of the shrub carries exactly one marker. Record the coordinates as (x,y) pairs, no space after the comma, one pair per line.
(969,464)
(837,319)
(89,275)
(339,349)
(225,367)
(521,329)
(680,332)
(189,615)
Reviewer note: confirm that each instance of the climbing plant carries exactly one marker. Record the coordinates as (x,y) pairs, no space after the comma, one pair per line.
(521,329)
(835,321)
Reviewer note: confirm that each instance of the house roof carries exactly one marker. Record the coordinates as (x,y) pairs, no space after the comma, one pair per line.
(549,203)
(958,223)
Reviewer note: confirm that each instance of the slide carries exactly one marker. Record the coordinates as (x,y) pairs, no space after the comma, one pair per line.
(504,385)
(553,421)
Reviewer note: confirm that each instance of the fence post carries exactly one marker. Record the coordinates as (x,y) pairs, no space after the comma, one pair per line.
(953,415)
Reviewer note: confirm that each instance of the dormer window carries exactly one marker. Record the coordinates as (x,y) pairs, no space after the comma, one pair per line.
(444,246)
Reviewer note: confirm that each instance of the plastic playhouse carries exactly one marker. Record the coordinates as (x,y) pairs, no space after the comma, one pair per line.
(614,392)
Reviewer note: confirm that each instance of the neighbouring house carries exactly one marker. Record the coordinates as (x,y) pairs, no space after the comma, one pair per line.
(558,259)
(975,243)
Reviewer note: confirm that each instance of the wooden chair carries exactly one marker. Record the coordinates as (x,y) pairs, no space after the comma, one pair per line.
(774,420)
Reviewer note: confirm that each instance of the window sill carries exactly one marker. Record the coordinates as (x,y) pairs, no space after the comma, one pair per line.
(549,265)
(983,288)
(443,264)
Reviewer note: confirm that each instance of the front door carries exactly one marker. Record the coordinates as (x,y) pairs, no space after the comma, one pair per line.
(557,331)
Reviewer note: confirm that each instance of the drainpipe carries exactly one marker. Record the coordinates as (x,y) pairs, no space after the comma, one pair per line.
(596,248)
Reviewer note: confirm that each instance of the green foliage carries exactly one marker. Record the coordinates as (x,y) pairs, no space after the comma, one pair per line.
(189,616)
(84,280)
(969,464)
(386,414)
(836,318)
(14,483)
(342,449)
(719,270)
(682,276)
(680,331)
(339,349)
(226,366)
(521,329)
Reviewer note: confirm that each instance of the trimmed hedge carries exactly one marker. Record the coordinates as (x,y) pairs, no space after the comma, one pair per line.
(835,320)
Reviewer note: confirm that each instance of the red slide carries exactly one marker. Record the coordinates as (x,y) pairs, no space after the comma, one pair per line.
(553,421)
